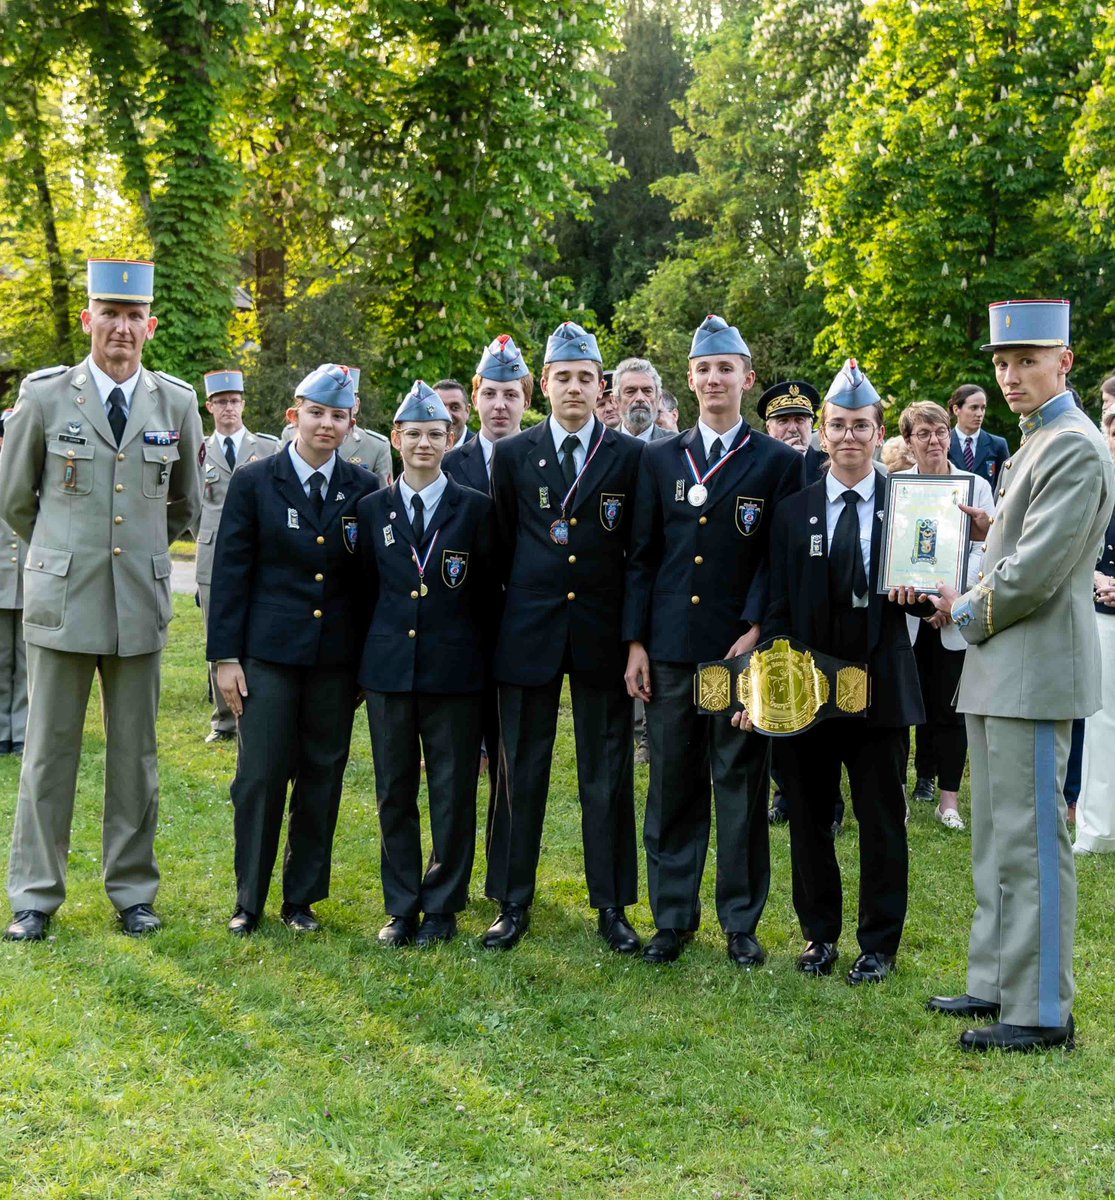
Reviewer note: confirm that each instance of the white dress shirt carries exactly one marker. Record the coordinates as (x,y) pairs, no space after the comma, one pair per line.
(865,510)
(559,433)
(303,470)
(237,438)
(708,436)
(430,494)
(486,449)
(105,384)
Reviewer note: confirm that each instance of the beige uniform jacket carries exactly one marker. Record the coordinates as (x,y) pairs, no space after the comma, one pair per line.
(362,448)
(1033,650)
(99,519)
(215,476)
(12,553)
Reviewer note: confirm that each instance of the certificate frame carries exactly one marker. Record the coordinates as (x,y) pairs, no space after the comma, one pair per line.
(926,536)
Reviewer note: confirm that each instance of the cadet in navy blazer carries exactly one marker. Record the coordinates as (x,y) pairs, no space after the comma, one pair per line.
(563,573)
(286,623)
(466,465)
(696,584)
(435,593)
(967,405)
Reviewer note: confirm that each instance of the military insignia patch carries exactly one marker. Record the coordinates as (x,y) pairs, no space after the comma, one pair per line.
(388,535)
(200,454)
(349,530)
(161,437)
(679,490)
(611,509)
(749,512)
(814,545)
(73,428)
(543,497)
(292,518)
(454,567)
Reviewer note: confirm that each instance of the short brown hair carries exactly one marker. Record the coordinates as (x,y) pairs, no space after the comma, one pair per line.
(526,380)
(922,412)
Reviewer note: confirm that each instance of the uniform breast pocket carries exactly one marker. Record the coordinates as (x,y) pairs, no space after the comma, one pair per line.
(45,582)
(157,464)
(71,468)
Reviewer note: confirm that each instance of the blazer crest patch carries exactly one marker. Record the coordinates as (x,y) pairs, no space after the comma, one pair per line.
(749,512)
(350,527)
(611,509)
(454,567)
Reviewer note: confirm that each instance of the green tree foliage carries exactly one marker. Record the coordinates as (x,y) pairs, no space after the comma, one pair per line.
(944,187)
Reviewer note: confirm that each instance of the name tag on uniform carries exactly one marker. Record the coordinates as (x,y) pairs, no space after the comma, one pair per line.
(73,441)
(161,437)
(292,518)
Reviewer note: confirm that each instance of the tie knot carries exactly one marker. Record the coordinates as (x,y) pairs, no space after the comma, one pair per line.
(570,444)
(850,497)
(417,503)
(228,443)
(317,481)
(116,398)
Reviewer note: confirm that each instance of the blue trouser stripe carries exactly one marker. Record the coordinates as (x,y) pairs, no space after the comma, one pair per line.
(1049,876)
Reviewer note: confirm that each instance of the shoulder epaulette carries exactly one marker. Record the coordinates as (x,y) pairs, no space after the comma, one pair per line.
(267,437)
(47,372)
(175,380)
(380,437)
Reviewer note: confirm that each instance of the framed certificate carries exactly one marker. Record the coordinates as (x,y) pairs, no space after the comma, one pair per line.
(925,533)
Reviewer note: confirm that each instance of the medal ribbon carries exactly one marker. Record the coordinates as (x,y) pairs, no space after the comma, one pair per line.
(588,459)
(698,477)
(421,565)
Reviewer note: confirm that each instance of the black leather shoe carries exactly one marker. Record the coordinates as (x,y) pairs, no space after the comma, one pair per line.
(435,928)
(744,950)
(614,927)
(666,945)
(963,1006)
(508,928)
(243,922)
(221,735)
(28,925)
(299,917)
(778,814)
(924,790)
(139,919)
(1020,1038)
(871,968)
(399,931)
(17,747)
(818,958)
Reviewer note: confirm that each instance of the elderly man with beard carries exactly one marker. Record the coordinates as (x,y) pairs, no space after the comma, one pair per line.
(638,388)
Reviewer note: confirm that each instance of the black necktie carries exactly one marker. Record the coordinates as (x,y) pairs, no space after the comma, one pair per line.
(116,415)
(715,452)
(418,521)
(230,454)
(845,555)
(317,482)
(569,463)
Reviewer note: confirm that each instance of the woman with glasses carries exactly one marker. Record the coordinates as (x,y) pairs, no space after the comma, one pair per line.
(942,743)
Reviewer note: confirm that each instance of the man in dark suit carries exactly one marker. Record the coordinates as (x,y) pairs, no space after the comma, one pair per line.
(971,447)
(825,561)
(286,623)
(638,390)
(454,396)
(426,548)
(696,590)
(563,492)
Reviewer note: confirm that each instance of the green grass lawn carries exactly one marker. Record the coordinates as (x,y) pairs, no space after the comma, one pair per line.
(191,1065)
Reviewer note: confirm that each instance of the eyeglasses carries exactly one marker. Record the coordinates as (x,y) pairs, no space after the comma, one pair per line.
(862,431)
(434,436)
(939,434)
(231,402)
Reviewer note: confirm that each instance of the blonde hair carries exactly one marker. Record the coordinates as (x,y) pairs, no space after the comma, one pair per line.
(896,455)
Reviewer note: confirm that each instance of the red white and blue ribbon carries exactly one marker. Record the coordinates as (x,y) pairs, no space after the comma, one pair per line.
(588,459)
(700,479)
(421,563)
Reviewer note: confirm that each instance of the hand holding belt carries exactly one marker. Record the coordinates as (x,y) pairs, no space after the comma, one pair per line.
(784,686)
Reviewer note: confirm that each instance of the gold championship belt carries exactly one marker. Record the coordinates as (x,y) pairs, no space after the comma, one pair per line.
(784,686)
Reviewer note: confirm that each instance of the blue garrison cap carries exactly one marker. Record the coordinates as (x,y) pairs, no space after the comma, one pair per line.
(330,385)
(1028,323)
(355,373)
(715,336)
(502,361)
(422,403)
(125,279)
(223,381)
(851,388)
(570,343)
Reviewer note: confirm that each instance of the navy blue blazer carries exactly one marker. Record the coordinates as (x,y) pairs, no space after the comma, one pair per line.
(815,462)
(799,603)
(284,580)
(438,643)
(563,603)
(990,452)
(466,465)
(697,578)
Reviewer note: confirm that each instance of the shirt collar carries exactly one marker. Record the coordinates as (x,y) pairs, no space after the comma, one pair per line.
(1049,411)
(486,448)
(430,494)
(645,436)
(865,489)
(303,469)
(559,433)
(105,383)
(237,439)
(708,436)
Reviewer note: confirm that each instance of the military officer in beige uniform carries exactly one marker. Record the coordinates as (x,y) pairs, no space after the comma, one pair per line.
(13,658)
(1032,666)
(363,447)
(99,476)
(230,446)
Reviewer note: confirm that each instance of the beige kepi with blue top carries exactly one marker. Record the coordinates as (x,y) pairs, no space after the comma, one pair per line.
(127,280)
